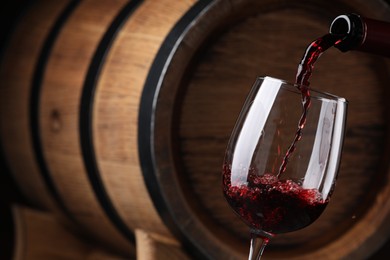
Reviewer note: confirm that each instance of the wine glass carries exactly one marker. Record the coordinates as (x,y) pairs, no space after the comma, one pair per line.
(282,158)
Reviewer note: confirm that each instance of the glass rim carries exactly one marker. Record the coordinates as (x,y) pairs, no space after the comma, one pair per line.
(317,93)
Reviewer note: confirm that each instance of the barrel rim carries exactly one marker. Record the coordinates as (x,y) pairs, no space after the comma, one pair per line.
(86,117)
(34,101)
(146,136)
(65,17)
(146,117)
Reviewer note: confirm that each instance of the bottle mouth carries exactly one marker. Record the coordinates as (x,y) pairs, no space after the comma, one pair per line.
(341,25)
(350,30)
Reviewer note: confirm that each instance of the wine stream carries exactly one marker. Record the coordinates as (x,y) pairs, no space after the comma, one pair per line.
(305,69)
(267,202)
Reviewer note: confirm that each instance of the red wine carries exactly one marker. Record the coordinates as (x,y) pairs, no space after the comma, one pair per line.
(312,53)
(265,201)
(305,69)
(272,205)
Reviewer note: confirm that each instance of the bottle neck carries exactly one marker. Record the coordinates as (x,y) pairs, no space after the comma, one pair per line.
(377,37)
(361,34)
(351,31)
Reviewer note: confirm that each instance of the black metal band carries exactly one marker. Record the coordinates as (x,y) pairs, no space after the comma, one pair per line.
(145,121)
(86,117)
(38,75)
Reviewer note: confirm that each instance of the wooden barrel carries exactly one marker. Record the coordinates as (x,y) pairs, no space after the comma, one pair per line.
(120,112)
(39,235)
(54,57)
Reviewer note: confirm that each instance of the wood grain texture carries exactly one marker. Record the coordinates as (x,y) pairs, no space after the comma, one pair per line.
(17,70)
(267,38)
(120,86)
(61,90)
(151,247)
(41,236)
(116,107)
(208,72)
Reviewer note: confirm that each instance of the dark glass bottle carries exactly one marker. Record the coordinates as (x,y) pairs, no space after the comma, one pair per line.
(361,34)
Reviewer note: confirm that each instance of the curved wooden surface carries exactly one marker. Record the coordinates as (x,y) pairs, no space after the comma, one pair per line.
(115,108)
(135,104)
(255,38)
(89,44)
(17,72)
(39,235)
(58,112)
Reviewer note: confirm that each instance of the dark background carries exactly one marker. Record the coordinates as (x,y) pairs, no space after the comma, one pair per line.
(10,12)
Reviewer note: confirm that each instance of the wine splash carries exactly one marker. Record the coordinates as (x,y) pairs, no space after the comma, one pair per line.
(305,69)
(265,201)
(272,205)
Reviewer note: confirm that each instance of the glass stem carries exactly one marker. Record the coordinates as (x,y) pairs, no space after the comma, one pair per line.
(258,243)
